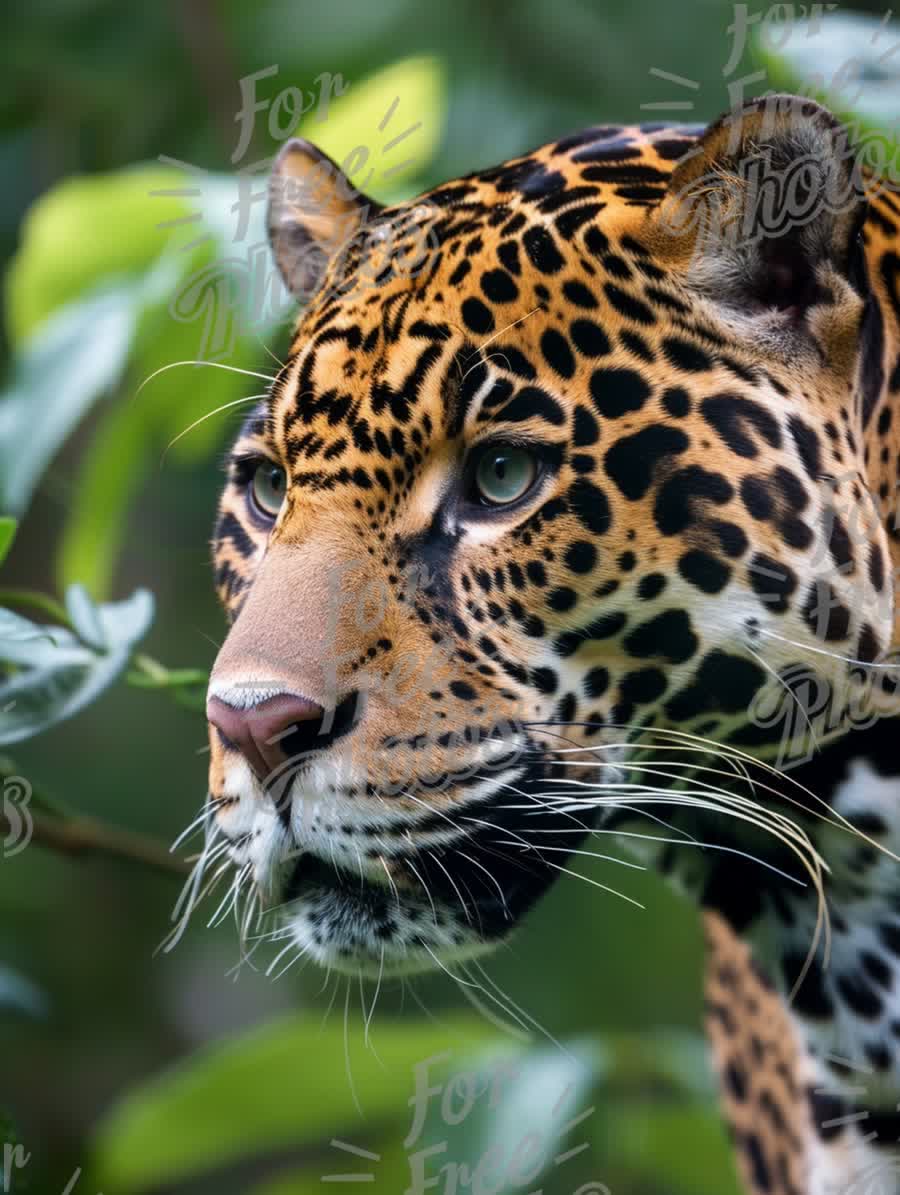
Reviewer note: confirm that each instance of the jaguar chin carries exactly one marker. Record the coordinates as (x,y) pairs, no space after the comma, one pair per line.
(372,871)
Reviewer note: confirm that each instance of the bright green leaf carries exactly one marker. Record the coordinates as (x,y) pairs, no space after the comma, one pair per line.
(218,301)
(391,1170)
(385,130)
(85,231)
(175,679)
(671,1146)
(240,1098)
(32,599)
(189,303)
(116,464)
(637,1101)
(7,535)
(189,369)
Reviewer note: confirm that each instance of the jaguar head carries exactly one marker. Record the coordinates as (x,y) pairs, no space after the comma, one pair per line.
(556,463)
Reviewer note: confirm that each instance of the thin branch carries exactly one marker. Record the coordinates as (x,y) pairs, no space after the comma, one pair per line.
(37,799)
(81,837)
(32,599)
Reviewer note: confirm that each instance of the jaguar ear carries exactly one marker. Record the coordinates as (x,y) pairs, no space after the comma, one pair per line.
(767,206)
(314,209)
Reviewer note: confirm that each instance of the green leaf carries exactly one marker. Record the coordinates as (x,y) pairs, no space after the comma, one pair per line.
(85,617)
(526,1121)
(93,287)
(77,355)
(675,1147)
(32,599)
(186,685)
(116,464)
(174,678)
(190,353)
(243,1097)
(7,535)
(93,262)
(85,231)
(412,95)
(153,300)
(56,673)
(391,1170)
(210,306)
(130,441)
(15,628)
(282,1097)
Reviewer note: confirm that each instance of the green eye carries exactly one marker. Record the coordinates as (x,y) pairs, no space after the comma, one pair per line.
(268,487)
(504,474)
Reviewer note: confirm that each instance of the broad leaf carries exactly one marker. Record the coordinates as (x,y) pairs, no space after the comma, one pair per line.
(176,267)
(76,356)
(56,673)
(84,232)
(85,618)
(541,1103)
(674,1146)
(323,1172)
(211,305)
(384,131)
(115,466)
(532,1117)
(239,1099)
(15,628)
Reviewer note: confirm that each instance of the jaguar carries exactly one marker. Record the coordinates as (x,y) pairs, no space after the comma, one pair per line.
(571,512)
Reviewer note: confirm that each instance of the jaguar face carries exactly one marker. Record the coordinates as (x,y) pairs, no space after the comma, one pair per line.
(574,480)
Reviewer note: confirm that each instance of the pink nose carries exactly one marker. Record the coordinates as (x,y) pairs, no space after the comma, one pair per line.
(271,733)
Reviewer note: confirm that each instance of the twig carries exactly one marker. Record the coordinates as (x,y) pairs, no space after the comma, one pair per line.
(83,836)
(31,598)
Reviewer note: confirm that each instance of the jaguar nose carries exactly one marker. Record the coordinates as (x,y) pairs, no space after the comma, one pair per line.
(269,734)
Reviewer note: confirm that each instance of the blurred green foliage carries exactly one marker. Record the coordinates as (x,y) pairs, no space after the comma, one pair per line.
(623,1110)
(155,1070)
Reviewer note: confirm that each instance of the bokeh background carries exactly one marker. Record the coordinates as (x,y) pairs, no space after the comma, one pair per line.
(92,1017)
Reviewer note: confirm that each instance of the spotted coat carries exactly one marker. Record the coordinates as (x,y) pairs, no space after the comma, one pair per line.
(678,628)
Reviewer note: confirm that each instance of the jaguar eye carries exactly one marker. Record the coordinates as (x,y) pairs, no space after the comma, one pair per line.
(267,488)
(504,474)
